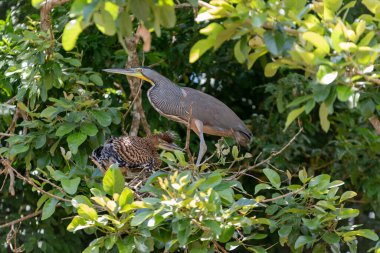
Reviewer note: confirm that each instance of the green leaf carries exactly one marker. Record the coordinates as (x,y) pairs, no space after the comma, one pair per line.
(347,195)
(65,128)
(309,106)
(141,9)
(299,100)
(75,140)
(273,177)
(215,226)
(103,118)
(271,69)
(140,217)
(211,181)
(345,213)
(276,42)
(293,115)
(367,233)
(199,48)
(240,57)
(155,221)
(70,185)
(96,79)
(126,245)
(40,141)
(76,224)
(112,9)
(318,41)
(113,181)
(167,15)
(18,149)
(87,212)
(262,186)
(302,240)
(235,152)
(330,7)
(323,113)
(227,233)
(252,58)
(326,75)
(49,208)
(331,237)
(37,3)
(104,22)
(80,199)
(125,24)
(89,129)
(285,231)
(367,107)
(48,112)
(302,174)
(373,6)
(232,245)
(311,224)
(126,197)
(344,92)
(71,33)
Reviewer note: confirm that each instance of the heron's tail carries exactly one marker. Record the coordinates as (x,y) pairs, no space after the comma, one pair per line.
(243,137)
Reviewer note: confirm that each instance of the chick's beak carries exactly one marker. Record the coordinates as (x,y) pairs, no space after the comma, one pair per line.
(169,146)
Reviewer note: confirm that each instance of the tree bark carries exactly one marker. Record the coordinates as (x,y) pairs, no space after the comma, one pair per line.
(138,115)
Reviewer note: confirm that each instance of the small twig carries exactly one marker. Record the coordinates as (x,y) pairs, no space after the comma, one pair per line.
(29,216)
(282,196)
(274,154)
(51,183)
(8,171)
(98,165)
(182,5)
(219,247)
(6,164)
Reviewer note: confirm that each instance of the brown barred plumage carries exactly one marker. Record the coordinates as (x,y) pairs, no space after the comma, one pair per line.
(132,153)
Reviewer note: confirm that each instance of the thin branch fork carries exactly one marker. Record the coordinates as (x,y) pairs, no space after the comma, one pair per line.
(283,196)
(274,154)
(6,163)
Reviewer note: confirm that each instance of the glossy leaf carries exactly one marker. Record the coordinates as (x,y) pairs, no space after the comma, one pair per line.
(113,181)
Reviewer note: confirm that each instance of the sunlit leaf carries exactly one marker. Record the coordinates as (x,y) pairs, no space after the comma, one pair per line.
(113,181)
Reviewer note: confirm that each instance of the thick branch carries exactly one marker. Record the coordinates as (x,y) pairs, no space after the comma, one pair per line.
(138,114)
(46,25)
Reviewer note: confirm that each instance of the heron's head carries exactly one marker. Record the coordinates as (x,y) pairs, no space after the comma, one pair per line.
(143,73)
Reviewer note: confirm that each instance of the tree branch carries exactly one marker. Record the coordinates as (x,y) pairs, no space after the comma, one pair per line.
(274,154)
(46,25)
(29,216)
(6,163)
(282,196)
(138,114)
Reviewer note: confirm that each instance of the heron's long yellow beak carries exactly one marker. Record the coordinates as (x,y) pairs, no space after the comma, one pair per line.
(129,72)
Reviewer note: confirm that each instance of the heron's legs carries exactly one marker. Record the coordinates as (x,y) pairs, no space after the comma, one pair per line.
(187,146)
(202,144)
